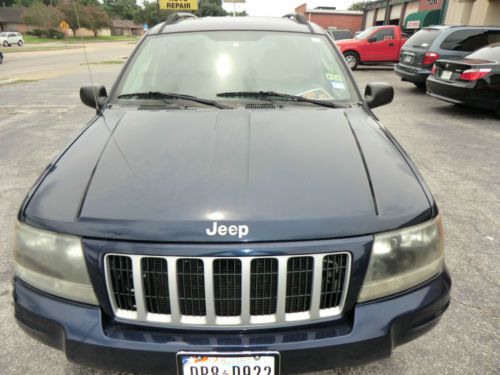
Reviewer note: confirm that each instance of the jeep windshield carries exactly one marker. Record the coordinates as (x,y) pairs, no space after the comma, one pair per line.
(203,65)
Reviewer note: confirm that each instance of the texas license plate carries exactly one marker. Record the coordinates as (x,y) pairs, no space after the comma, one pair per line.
(228,364)
(446,74)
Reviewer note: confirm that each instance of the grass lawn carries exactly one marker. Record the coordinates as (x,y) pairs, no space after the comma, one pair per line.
(30,39)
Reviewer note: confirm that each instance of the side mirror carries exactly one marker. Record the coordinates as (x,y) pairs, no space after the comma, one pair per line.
(378,93)
(372,39)
(93,96)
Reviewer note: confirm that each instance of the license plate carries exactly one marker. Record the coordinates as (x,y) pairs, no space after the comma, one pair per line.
(408,58)
(446,74)
(228,364)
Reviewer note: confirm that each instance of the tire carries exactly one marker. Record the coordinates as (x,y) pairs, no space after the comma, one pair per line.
(5,43)
(352,59)
(20,43)
(420,85)
(1,59)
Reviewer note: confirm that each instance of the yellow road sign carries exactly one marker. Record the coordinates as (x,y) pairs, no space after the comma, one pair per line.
(179,5)
(64,25)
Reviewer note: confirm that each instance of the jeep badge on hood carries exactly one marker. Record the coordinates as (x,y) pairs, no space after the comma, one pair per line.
(231,230)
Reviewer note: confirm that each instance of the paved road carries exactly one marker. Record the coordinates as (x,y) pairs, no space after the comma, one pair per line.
(49,64)
(457,151)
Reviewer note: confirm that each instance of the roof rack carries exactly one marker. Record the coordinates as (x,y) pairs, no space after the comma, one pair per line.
(176,17)
(299,18)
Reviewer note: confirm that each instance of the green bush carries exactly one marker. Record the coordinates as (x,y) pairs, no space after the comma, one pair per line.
(55,34)
(36,32)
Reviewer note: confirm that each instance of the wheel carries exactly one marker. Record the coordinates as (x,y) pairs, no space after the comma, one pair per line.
(1,58)
(5,43)
(352,59)
(20,43)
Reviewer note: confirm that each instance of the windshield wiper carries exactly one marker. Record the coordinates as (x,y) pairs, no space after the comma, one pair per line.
(169,95)
(261,94)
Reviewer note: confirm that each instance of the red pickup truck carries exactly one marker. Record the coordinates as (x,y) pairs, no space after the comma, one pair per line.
(374,45)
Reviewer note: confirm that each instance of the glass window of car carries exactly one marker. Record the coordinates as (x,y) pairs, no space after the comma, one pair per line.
(12,35)
(423,38)
(384,34)
(204,64)
(365,34)
(470,40)
(491,53)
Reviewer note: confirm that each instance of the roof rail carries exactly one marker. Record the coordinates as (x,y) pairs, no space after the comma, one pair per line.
(299,18)
(175,17)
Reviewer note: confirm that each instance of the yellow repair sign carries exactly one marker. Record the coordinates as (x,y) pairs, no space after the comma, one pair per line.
(179,4)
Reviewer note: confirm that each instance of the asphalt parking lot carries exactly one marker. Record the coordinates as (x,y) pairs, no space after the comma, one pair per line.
(456,149)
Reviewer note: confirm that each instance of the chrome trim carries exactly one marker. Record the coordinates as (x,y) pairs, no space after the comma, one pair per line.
(176,320)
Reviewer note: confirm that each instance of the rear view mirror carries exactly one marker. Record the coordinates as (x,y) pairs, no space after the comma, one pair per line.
(372,39)
(93,96)
(378,93)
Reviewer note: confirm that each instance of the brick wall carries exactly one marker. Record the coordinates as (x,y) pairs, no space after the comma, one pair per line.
(340,21)
(301,8)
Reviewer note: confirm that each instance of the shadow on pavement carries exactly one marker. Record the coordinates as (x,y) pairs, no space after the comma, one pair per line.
(466,112)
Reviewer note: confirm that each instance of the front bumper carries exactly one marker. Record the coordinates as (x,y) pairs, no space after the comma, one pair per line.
(412,74)
(369,333)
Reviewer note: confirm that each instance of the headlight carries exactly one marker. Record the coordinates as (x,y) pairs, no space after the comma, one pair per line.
(53,263)
(403,259)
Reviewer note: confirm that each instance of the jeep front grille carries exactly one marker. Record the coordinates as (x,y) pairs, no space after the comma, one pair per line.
(227,292)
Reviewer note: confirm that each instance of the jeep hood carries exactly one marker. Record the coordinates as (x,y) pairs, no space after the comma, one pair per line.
(291,174)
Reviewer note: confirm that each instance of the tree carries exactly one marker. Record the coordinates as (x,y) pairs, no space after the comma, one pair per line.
(26,3)
(122,9)
(359,5)
(97,18)
(44,17)
(212,8)
(68,11)
(149,14)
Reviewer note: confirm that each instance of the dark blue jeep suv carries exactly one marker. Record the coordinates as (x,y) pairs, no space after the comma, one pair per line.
(234,208)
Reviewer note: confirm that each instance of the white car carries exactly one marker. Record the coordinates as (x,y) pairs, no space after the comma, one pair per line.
(9,38)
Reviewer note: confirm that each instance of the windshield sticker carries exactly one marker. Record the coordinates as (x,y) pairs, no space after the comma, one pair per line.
(316,40)
(333,77)
(337,85)
(318,93)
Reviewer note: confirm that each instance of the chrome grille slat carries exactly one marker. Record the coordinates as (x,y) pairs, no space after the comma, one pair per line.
(138,288)
(227,291)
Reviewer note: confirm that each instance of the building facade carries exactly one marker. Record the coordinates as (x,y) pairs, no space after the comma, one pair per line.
(473,12)
(411,15)
(330,18)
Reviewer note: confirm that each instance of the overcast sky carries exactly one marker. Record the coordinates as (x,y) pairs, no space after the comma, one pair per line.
(281,7)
